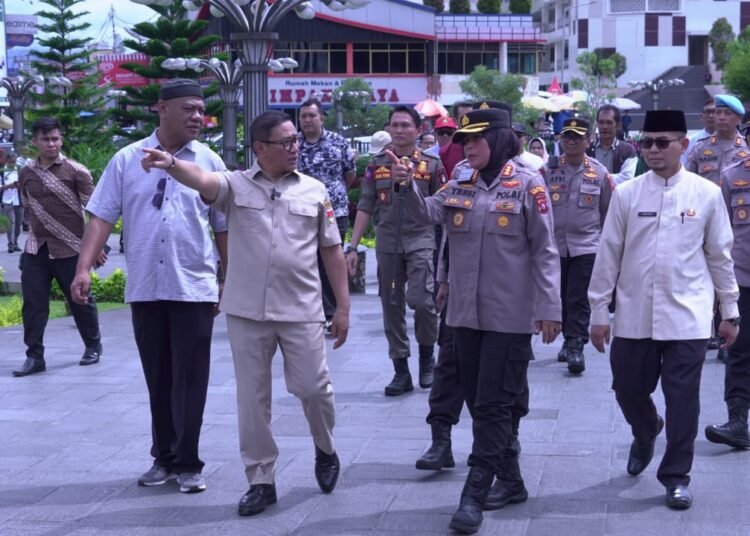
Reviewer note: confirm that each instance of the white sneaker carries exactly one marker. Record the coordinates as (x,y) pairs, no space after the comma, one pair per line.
(191,482)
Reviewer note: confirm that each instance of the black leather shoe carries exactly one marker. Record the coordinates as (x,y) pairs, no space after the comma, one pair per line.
(327,469)
(30,366)
(91,356)
(562,355)
(258,498)
(640,455)
(679,497)
(576,361)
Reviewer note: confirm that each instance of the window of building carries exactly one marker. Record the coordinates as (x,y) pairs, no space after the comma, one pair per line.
(583,33)
(663,5)
(522,58)
(461,58)
(314,57)
(384,58)
(651,38)
(678,32)
(744,15)
(644,6)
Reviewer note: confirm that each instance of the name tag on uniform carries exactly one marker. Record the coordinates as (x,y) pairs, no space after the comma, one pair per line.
(647,214)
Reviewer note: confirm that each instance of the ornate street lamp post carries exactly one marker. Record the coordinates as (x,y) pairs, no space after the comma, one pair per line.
(254,22)
(18,87)
(655,86)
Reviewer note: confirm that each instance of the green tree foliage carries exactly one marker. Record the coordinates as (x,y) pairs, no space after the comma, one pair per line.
(172,35)
(439,5)
(360,119)
(520,7)
(620,63)
(737,70)
(459,6)
(720,36)
(488,6)
(490,84)
(80,108)
(598,81)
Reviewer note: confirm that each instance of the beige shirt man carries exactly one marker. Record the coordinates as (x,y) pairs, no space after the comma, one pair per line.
(278,228)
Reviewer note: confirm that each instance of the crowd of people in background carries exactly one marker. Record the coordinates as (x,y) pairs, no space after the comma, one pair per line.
(590,222)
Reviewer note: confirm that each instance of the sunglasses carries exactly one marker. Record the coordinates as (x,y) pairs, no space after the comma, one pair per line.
(286,143)
(661,143)
(158,198)
(444,132)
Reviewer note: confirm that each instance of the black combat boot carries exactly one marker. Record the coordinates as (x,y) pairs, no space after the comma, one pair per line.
(439,455)
(734,432)
(401,382)
(468,517)
(426,365)
(562,355)
(576,364)
(509,487)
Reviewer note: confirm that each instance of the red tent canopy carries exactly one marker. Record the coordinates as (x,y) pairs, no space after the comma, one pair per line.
(554,87)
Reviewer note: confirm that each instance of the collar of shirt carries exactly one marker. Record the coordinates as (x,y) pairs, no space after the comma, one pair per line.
(152,142)
(256,170)
(324,135)
(671,181)
(59,160)
(598,144)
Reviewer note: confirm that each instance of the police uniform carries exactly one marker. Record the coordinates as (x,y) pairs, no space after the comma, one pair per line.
(580,197)
(735,185)
(710,157)
(407,258)
(504,274)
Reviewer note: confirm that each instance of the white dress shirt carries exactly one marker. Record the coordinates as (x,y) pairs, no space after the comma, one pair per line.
(666,247)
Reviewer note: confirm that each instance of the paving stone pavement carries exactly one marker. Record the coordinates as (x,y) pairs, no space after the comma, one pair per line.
(73,441)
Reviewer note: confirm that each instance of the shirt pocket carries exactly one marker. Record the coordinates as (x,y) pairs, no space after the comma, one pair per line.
(458,220)
(505,217)
(558,194)
(588,196)
(302,219)
(740,209)
(250,212)
(383,191)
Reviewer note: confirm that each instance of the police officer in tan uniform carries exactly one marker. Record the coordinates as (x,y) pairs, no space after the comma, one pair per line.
(405,250)
(735,185)
(580,189)
(711,156)
(504,285)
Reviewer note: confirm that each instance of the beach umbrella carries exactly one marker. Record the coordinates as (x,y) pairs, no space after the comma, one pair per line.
(431,108)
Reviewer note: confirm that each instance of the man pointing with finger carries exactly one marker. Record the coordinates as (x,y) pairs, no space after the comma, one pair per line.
(278,219)
(666,246)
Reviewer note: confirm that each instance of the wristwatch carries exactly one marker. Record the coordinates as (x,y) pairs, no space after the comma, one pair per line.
(734,321)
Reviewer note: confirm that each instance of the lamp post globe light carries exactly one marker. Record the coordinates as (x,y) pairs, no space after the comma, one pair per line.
(254,22)
(17,88)
(655,86)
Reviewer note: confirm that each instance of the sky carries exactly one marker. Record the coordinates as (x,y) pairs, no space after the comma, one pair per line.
(127,14)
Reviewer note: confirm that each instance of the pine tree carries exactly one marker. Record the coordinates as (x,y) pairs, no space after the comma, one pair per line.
(489,6)
(439,5)
(172,35)
(459,6)
(81,107)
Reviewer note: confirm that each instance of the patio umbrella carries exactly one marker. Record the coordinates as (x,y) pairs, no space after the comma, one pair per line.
(624,103)
(6,123)
(431,108)
(578,95)
(540,103)
(563,102)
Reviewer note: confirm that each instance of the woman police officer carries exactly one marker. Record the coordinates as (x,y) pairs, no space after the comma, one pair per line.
(504,285)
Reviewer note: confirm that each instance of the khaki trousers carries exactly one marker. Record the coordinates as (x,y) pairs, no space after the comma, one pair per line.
(306,373)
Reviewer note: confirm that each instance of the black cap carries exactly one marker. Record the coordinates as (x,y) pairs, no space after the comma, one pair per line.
(577,125)
(493,104)
(180,87)
(665,121)
(477,121)
(518,128)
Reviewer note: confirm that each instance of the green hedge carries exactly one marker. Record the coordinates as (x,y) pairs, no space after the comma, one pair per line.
(109,289)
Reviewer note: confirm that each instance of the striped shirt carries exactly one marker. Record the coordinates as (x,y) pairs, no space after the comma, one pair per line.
(55,197)
(168,250)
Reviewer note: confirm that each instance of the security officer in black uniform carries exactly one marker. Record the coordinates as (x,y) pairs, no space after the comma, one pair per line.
(497,216)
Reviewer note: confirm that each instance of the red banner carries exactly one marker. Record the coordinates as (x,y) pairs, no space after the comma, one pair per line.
(112,73)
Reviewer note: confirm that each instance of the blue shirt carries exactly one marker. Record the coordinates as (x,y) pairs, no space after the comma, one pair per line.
(328,160)
(168,251)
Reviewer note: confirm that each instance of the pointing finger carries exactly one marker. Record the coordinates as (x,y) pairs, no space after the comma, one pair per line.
(392,156)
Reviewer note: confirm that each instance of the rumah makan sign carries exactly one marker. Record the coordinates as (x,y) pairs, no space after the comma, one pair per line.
(291,91)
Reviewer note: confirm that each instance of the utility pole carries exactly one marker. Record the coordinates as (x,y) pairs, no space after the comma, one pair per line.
(112,20)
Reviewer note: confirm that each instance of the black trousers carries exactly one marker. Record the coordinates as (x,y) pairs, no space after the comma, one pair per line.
(446,396)
(36,282)
(737,372)
(574,287)
(174,343)
(637,365)
(492,371)
(329,298)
